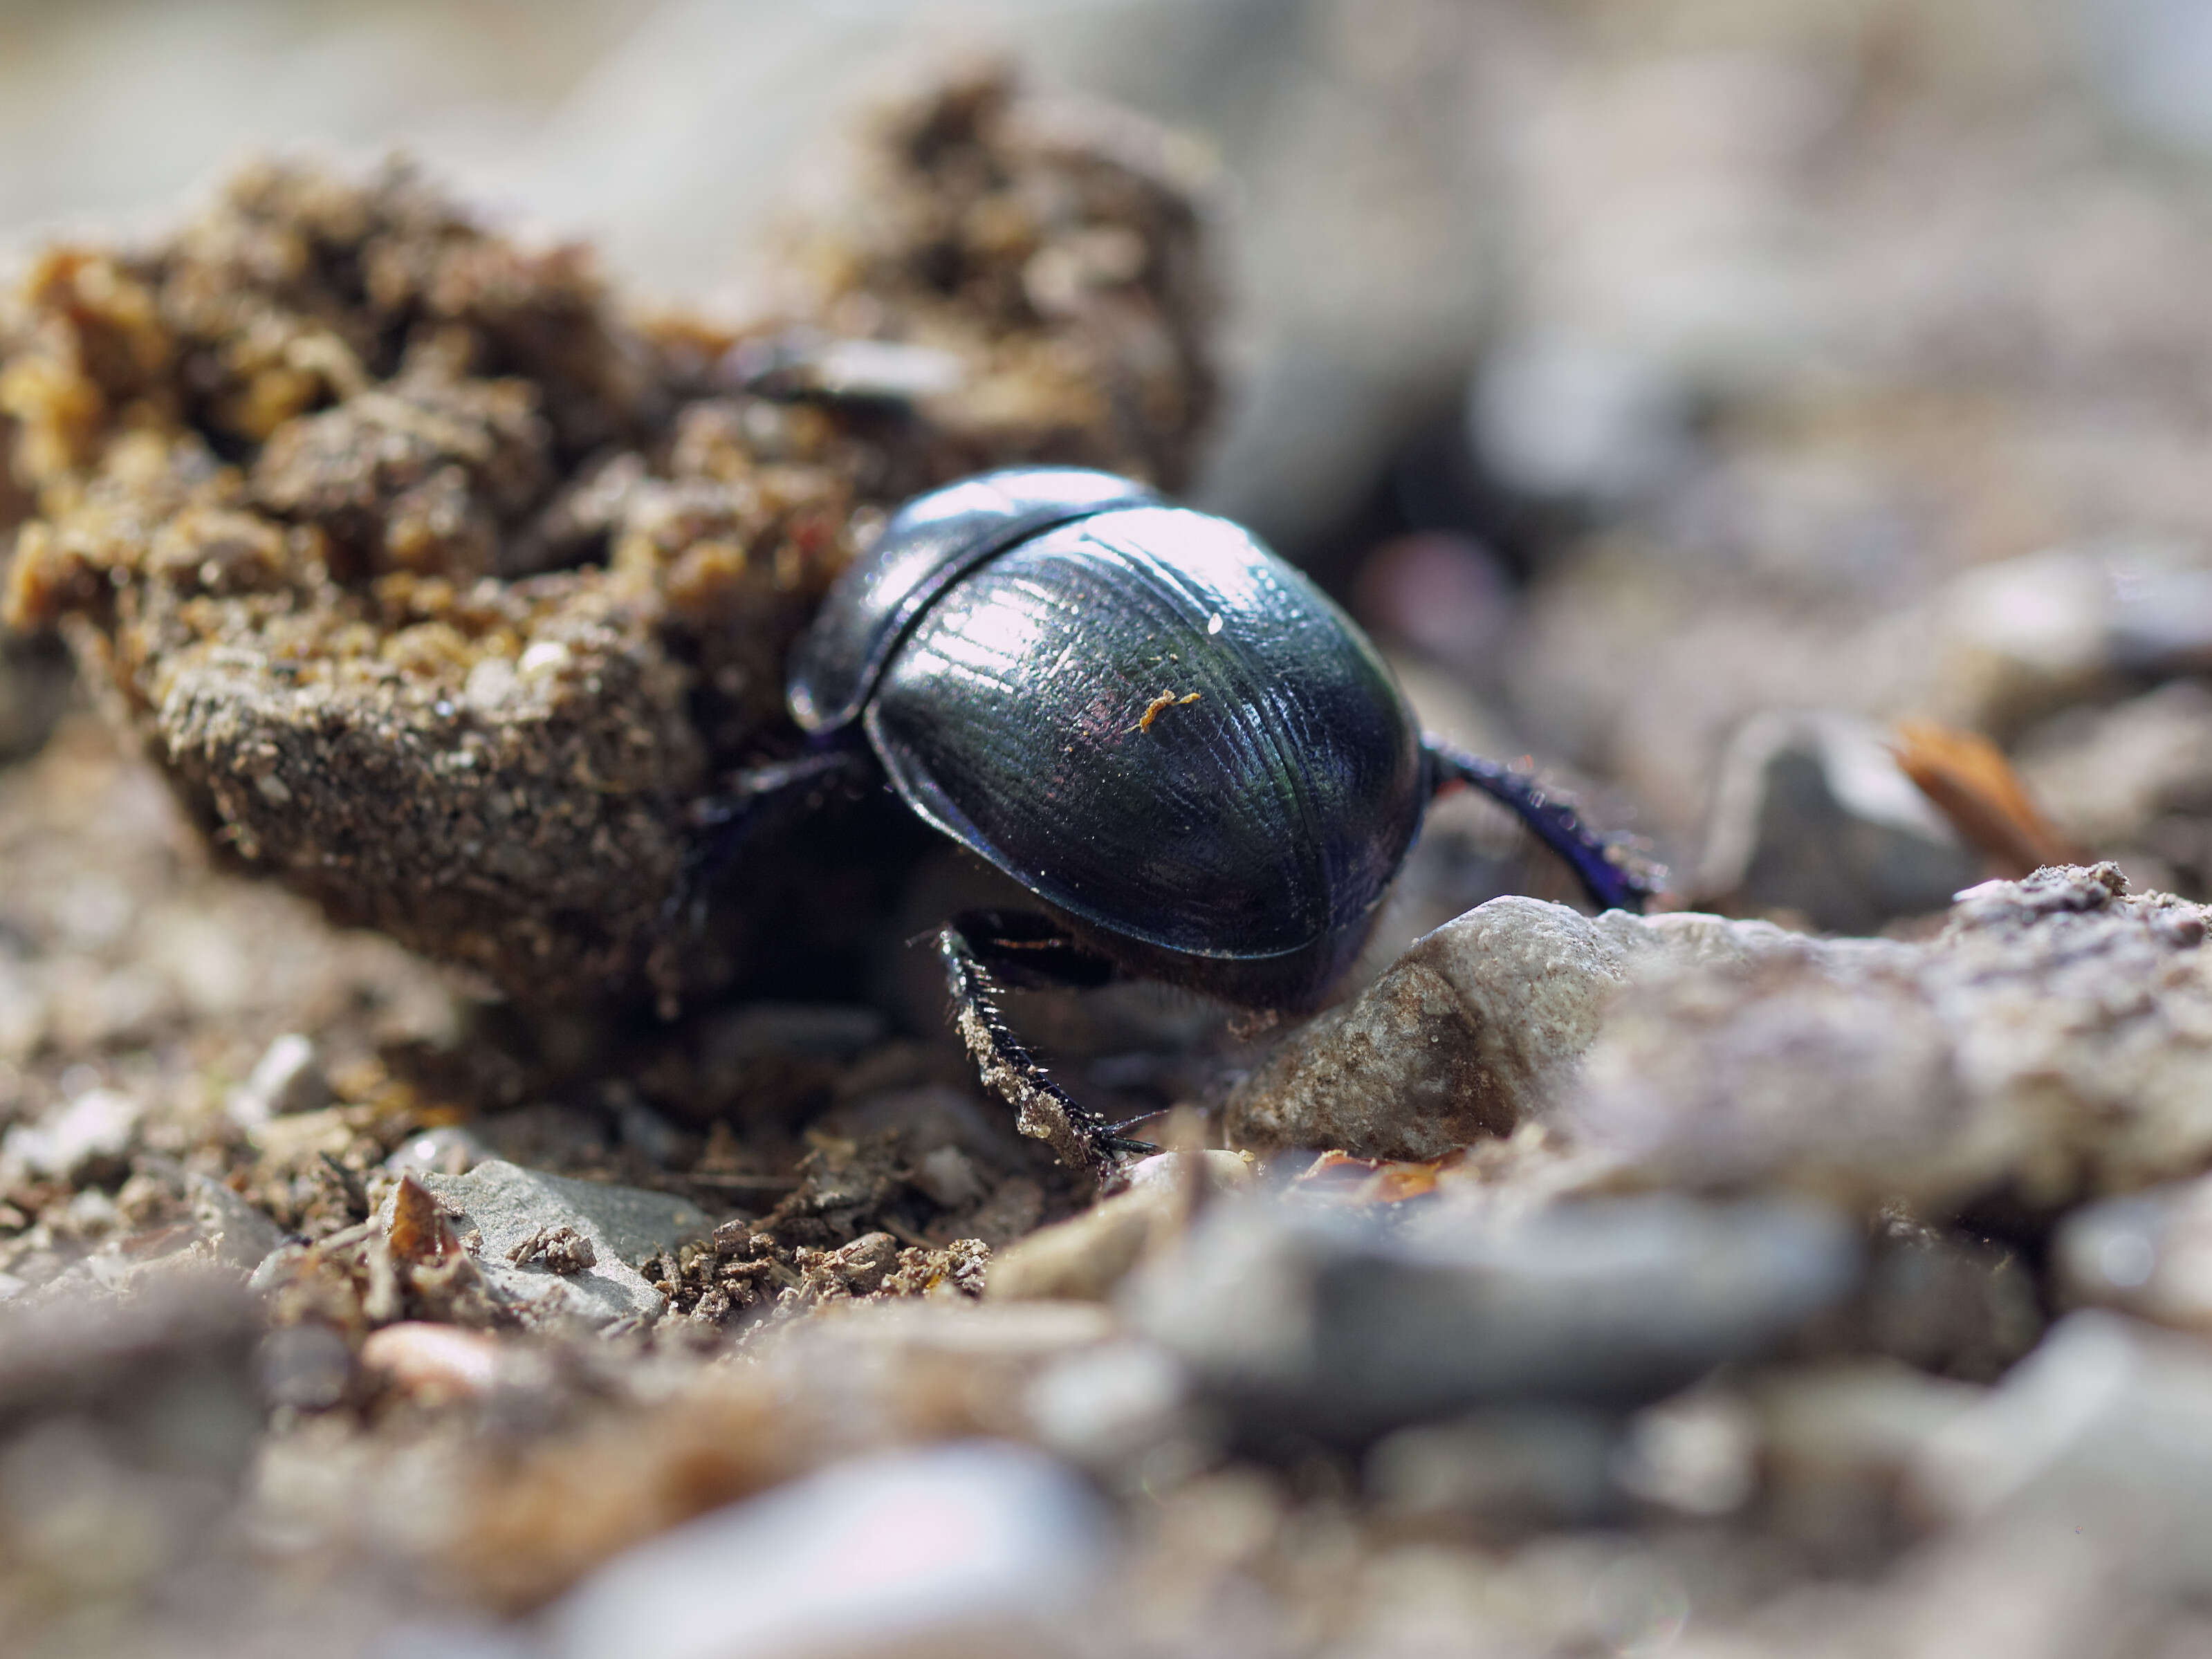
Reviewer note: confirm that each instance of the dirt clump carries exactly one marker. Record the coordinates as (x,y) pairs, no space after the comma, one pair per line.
(438,587)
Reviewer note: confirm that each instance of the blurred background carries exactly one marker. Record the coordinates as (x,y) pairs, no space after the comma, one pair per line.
(1787,418)
(1688,388)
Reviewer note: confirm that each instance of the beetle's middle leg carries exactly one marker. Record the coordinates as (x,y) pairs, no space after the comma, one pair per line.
(1043,1110)
(1611,872)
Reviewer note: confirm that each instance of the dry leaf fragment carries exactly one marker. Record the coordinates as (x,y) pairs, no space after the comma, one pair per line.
(1337,1177)
(1974,786)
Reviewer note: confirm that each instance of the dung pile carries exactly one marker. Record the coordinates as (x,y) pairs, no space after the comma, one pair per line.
(438,587)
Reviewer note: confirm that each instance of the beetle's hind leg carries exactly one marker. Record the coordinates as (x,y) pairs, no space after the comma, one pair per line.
(1043,1110)
(1615,875)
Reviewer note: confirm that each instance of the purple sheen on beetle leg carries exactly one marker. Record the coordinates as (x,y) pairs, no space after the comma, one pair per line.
(1614,876)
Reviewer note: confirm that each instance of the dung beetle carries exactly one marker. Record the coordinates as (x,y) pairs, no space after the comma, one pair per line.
(1197,765)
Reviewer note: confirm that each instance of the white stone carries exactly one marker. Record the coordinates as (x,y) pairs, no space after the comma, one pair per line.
(285,1079)
(981,1546)
(96,1124)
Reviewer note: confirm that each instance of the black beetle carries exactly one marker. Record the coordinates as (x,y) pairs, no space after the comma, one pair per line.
(1196,763)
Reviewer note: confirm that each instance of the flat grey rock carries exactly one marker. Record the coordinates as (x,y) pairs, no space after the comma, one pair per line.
(1345,1325)
(507,1205)
(1478,1026)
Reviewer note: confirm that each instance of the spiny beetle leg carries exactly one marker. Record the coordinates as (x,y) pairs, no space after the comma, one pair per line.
(1043,1110)
(1613,875)
(723,823)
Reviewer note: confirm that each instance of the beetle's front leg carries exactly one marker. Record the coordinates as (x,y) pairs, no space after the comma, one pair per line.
(723,823)
(1043,1110)
(1614,876)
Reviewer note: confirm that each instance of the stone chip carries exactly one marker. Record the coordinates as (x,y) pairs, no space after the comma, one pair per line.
(512,1207)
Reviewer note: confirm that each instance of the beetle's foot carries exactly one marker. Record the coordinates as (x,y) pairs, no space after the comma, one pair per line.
(1043,1110)
(1128,1145)
(1613,870)
(1644,875)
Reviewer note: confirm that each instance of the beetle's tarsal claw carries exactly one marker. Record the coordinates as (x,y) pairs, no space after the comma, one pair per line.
(1119,1138)
(1043,1110)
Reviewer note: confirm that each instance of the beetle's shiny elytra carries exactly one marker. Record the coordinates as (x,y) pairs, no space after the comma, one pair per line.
(1007,648)
(1195,763)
